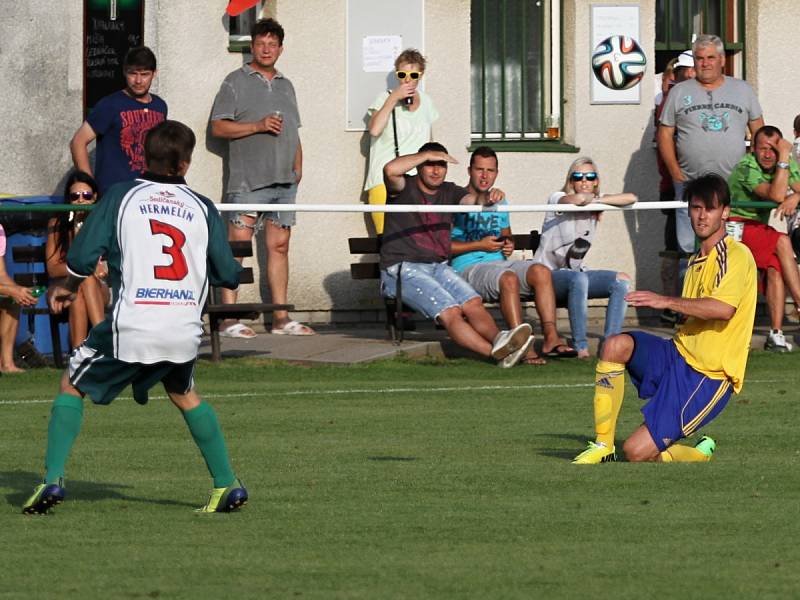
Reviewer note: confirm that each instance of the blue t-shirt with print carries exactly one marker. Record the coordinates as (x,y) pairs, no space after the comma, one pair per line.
(121,123)
(471,227)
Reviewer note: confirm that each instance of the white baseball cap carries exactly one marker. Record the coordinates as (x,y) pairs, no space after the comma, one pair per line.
(685,59)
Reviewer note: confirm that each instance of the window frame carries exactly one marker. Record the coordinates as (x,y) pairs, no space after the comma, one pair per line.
(733,49)
(240,42)
(529,141)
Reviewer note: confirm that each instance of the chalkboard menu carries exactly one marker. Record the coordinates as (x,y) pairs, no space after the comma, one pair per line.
(110,28)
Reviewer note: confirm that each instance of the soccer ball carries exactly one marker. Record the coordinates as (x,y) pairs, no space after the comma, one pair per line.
(618,62)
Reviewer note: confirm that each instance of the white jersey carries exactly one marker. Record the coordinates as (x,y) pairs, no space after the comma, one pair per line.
(159,238)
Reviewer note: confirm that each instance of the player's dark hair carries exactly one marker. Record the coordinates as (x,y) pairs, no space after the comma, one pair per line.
(435,146)
(167,145)
(796,124)
(708,188)
(767,130)
(484,152)
(140,58)
(266,27)
(63,224)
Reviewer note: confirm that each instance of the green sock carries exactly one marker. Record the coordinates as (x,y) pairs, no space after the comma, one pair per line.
(207,434)
(65,424)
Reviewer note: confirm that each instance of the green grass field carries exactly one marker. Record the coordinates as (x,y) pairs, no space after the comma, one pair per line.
(402,480)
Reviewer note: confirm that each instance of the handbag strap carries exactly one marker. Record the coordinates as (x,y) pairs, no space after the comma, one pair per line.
(394,130)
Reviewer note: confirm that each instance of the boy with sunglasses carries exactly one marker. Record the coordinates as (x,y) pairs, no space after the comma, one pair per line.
(400,121)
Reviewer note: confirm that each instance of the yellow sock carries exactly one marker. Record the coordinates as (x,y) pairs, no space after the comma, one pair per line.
(678,453)
(609,387)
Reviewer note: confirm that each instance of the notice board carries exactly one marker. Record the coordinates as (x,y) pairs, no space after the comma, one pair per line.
(375,28)
(110,28)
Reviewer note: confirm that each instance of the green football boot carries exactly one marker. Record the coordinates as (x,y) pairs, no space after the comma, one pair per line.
(706,445)
(595,454)
(44,497)
(226,499)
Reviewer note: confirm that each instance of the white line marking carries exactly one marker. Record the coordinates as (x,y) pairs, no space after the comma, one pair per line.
(401,390)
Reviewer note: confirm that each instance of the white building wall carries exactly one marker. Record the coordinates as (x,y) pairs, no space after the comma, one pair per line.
(41,62)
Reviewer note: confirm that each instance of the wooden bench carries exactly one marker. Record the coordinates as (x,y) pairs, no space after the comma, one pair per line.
(396,316)
(35,255)
(218,312)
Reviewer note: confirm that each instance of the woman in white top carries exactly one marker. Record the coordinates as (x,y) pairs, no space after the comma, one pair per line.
(566,238)
(399,123)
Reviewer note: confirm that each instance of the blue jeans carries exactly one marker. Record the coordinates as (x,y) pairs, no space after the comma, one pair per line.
(574,288)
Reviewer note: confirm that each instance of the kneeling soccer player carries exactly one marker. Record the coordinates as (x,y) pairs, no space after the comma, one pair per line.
(686,380)
(164,245)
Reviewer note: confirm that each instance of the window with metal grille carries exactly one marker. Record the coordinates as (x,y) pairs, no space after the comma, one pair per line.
(516,72)
(678,22)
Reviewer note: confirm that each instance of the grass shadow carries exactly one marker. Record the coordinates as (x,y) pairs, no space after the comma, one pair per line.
(22,483)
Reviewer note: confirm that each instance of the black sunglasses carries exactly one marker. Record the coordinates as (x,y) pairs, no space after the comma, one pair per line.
(77,195)
(590,176)
(401,75)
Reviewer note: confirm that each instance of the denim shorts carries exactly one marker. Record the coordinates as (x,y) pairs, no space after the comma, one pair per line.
(428,288)
(273,194)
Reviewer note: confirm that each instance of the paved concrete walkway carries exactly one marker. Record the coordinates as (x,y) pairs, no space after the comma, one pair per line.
(336,345)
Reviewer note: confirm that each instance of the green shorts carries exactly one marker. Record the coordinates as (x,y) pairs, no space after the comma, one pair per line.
(95,372)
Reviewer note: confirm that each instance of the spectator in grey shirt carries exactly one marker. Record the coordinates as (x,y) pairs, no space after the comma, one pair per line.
(256,111)
(704,123)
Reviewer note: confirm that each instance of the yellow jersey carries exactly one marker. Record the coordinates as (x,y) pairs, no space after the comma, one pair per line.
(718,348)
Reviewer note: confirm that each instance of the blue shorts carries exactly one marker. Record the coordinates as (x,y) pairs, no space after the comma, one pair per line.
(273,194)
(680,400)
(429,288)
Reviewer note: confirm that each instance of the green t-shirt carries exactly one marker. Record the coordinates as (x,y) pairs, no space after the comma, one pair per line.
(745,177)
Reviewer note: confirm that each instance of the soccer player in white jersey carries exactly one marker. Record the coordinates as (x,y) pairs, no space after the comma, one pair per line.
(164,245)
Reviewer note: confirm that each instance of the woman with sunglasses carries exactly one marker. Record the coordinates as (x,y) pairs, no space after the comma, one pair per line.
(93,294)
(566,238)
(399,123)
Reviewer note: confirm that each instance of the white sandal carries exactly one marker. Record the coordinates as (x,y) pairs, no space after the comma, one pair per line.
(293,328)
(238,330)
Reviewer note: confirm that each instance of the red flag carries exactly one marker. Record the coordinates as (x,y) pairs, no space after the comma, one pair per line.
(237,7)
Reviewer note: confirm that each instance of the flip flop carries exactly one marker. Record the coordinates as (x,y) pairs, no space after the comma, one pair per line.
(293,328)
(238,330)
(535,361)
(561,351)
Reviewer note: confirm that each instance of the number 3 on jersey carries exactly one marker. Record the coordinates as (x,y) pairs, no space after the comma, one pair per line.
(177,270)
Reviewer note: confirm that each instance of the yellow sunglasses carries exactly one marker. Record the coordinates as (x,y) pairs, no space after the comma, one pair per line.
(413,75)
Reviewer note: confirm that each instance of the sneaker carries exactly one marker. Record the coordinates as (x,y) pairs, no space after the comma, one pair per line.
(776,342)
(706,445)
(45,496)
(226,499)
(595,453)
(513,358)
(511,340)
